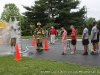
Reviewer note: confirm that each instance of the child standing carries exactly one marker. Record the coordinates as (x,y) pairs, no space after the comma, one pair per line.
(64,40)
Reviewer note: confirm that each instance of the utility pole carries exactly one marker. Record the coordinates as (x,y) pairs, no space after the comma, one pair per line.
(86,13)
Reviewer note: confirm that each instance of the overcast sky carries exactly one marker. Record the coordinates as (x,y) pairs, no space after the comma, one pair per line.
(92,6)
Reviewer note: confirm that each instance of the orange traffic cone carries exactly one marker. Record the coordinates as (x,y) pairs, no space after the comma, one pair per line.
(33,41)
(46,44)
(17,53)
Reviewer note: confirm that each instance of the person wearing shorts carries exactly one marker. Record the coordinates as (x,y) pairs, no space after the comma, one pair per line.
(94,38)
(64,40)
(98,31)
(13,38)
(73,38)
(13,41)
(85,40)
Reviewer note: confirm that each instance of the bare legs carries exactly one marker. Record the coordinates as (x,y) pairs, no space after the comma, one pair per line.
(12,49)
(64,47)
(85,48)
(74,48)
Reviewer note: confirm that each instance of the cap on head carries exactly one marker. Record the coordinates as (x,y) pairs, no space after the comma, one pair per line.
(38,23)
(52,26)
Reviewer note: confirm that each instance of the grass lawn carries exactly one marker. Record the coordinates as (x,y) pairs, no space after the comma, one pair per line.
(31,66)
(27,37)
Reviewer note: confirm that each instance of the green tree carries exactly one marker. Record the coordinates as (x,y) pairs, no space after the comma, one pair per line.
(89,22)
(98,22)
(55,12)
(10,10)
(26,31)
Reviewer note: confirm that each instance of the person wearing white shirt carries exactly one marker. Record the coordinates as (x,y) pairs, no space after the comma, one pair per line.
(94,38)
(85,40)
(13,38)
(98,33)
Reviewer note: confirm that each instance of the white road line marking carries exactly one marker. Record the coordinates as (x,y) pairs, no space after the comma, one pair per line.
(27,47)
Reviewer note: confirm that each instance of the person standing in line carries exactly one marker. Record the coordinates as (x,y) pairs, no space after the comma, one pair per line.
(85,40)
(98,31)
(52,33)
(64,40)
(94,38)
(73,38)
(13,38)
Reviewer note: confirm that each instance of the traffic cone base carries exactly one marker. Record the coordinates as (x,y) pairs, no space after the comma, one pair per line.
(18,59)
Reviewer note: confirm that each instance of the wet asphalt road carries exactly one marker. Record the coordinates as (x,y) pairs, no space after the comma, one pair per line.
(55,53)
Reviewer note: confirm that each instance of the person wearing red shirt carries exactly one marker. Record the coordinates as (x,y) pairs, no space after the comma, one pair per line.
(73,38)
(52,33)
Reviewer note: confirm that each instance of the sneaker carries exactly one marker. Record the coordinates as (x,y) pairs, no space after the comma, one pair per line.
(63,53)
(72,52)
(50,43)
(93,53)
(96,51)
(37,49)
(85,53)
(53,43)
(10,53)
